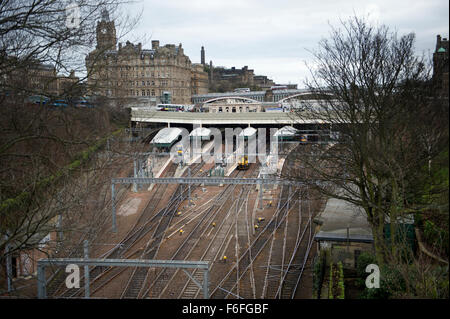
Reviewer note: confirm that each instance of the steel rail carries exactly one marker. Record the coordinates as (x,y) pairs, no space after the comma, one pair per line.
(222,198)
(258,244)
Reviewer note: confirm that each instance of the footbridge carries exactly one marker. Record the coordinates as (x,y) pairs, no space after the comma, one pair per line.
(260,96)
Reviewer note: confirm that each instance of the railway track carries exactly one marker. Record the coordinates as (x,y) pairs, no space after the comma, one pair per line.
(56,282)
(213,251)
(163,280)
(106,277)
(279,250)
(228,283)
(287,258)
(217,245)
(135,284)
(292,275)
(141,227)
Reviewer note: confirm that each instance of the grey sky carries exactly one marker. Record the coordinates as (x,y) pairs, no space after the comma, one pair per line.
(273,37)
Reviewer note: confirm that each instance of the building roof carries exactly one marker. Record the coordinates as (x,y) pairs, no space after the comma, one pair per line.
(341,217)
(286,131)
(167,135)
(145,114)
(200,132)
(248,132)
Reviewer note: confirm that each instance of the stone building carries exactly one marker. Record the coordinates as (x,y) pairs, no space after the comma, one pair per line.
(35,78)
(222,79)
(440,65)
(162,74)
(199,80)
(263,82)
(233,105)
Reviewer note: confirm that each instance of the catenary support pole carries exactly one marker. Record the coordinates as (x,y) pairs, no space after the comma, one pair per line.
(206,283)
(189,188)
(8,264)
(261,189)
(134,188)
(42,293)
(86,271)
(113,204)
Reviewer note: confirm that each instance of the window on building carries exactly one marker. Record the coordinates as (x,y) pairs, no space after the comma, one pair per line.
(143,92)
(153,92)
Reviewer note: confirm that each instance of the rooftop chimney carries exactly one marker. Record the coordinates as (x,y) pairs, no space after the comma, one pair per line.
(155,44)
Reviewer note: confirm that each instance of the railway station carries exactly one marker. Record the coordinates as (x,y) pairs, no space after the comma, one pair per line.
(182,214)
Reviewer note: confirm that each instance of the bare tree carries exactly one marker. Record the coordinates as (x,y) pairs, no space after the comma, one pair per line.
(43,150)
(375,94)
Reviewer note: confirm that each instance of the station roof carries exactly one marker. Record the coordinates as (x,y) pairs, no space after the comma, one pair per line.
(286,131)
(340,218)
(167,135)
(145,114)
(248,132)
(200,132)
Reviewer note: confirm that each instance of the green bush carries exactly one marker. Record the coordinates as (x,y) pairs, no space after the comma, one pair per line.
(363,260)
(319,272)
(330,283)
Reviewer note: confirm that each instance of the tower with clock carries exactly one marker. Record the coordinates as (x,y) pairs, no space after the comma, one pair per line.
(106,33)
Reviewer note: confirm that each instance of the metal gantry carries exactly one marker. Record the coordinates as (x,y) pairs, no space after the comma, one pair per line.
(195,180)
(182,264)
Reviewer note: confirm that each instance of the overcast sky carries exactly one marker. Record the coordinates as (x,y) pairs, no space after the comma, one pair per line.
(273,37)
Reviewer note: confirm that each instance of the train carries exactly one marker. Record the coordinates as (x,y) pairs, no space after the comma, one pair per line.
(243,163)
(303,138)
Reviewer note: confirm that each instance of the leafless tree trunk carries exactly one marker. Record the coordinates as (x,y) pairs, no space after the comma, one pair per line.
(43,151)
(375,92)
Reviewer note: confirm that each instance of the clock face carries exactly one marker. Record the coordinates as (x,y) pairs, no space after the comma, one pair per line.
(103,30)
